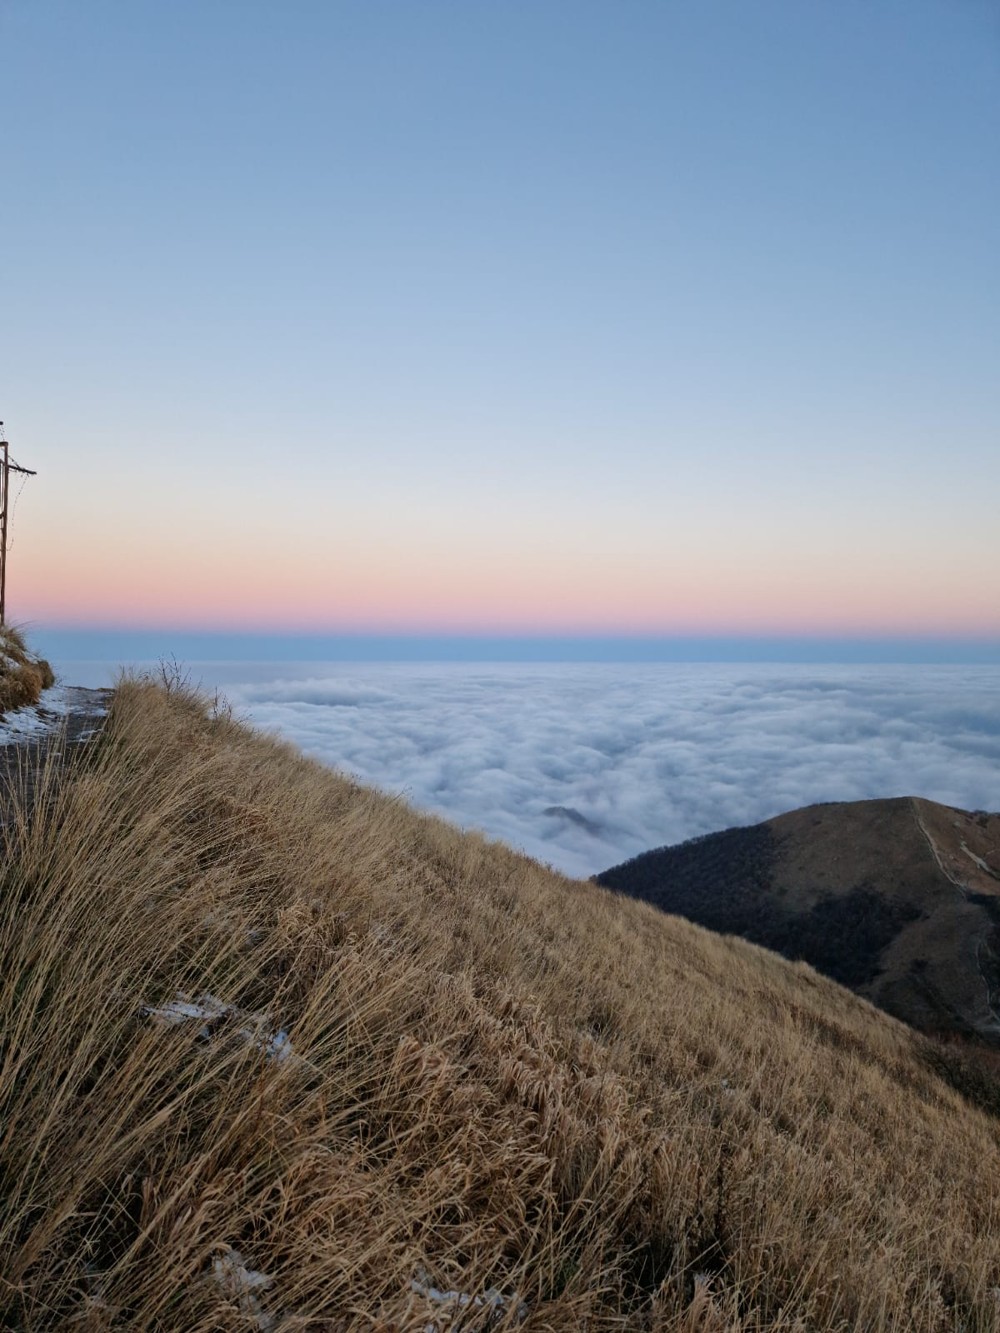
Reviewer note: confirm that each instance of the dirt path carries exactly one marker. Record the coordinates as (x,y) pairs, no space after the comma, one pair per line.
(65,718)
(981,940)
(963,889)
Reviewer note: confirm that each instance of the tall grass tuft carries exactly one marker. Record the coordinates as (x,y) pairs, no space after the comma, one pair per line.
(23,674)
(424,1083)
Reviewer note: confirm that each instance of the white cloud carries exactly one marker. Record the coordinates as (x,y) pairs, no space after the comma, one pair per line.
(648,755)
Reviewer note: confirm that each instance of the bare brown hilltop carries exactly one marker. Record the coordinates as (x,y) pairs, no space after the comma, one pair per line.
(898,899)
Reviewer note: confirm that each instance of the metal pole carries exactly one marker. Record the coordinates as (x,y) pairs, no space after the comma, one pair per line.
(3,532)
(6,468)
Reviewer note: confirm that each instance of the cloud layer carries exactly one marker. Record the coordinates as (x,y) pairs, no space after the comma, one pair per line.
(585,765)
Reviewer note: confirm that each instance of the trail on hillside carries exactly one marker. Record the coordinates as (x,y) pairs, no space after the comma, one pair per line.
(65,719)
(982,941)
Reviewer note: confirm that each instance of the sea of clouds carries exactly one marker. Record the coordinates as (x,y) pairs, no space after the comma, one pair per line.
(586,765)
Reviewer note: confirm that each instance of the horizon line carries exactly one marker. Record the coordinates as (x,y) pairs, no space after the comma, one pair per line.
(154,643)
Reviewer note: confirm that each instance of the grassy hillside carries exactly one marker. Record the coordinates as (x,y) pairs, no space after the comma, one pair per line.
(421,1083)
(898,899)
(23,675)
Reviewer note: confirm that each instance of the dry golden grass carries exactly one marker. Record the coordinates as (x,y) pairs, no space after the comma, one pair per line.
(23,675)
(502,1081)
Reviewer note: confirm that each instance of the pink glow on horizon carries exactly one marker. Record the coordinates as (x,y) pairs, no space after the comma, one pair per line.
(470,603)
(319,582)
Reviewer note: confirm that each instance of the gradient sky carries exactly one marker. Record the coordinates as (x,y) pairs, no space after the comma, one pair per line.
(645,318)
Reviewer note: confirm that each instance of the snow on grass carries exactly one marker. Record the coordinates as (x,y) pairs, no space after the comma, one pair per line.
(211,1013)
(241,1284)
(492,1300)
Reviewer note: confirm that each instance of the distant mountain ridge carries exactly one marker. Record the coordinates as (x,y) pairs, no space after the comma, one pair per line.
(897,899)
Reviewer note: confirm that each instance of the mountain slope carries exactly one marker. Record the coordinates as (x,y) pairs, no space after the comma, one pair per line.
(898,899)
(279,1053)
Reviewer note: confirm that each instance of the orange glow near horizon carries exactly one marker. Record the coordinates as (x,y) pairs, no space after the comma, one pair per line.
(493,597)
(409,571)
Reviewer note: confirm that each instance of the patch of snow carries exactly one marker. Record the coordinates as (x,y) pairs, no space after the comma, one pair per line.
(490,1300)
(47,716)
(210,1012)
(208,1009)
(59,699)
(242,1284)
(278,1047)
(977,859)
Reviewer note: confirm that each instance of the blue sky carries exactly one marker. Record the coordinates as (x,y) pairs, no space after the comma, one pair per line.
(647,319)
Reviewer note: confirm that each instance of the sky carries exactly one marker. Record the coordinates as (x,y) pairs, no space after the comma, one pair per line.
(672,320)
